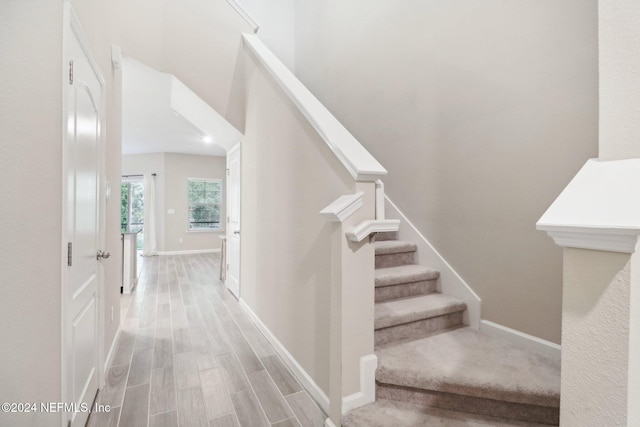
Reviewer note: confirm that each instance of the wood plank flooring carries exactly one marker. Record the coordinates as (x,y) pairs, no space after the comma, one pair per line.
(188,356)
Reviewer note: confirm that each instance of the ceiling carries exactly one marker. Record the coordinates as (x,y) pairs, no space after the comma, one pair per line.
(161,114)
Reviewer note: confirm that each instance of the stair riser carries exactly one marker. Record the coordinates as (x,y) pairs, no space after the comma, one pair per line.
(403,290)
(495,408)
(418,329)
(388,235)
(394,260)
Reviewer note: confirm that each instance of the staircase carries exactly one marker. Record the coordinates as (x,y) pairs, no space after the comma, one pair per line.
(433,370)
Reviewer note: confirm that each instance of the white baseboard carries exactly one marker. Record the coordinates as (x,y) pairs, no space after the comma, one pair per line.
(112,350)
(301,375)
(538,345)
(197,251)
(367,393)
(329,423)
(451,283)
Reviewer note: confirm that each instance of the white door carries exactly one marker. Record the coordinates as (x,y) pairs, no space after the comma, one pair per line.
(82,273)
(233,222)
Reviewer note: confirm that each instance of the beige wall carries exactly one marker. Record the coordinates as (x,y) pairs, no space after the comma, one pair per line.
(171,193)
(30,213)
(30,164)
(481,111)
(288,176)
(195,40)
(179,167)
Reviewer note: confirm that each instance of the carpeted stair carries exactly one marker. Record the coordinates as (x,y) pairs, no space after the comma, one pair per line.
(428,359)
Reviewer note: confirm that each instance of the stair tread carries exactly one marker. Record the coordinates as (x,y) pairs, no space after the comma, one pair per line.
(471,363)
(404,274)
(400,414)
(386,247)
(397,312)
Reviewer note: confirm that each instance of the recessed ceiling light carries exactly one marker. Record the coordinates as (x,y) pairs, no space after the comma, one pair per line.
(207,139)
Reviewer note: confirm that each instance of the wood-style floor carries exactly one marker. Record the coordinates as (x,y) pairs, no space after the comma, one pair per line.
(189,356)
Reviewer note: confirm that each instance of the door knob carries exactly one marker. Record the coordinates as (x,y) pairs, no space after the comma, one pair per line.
(102,254)
(236,232)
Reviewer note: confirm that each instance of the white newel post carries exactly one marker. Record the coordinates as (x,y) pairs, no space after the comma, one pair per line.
(352,302)
(597,220)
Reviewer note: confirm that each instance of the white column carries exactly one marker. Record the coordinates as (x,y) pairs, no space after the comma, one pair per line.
(352,361)
(597,364)
(601,294)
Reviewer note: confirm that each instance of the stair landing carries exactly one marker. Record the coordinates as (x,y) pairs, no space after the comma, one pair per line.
(469,371)
(385,413)
(471,363)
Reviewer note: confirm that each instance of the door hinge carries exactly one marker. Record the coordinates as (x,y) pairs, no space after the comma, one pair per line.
(69,254)
(228,220)
(70,72)
(227,267)
(228,172)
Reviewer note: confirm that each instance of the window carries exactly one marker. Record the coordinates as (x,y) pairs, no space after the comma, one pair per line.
(205,203)
(132,207)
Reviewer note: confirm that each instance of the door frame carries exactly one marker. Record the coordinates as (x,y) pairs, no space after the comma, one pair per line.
(236,147)
(72,28)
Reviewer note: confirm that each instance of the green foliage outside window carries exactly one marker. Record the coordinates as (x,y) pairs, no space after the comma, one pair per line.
(205,202)
(124,205)
(132,208)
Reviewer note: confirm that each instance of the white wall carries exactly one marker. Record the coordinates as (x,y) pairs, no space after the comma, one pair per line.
(619,84)
(481,111)
(596,333)
(30,212)
(171,193)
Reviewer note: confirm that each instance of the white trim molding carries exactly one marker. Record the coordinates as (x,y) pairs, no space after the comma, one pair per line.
(343,207)
(599,209)
(244,14)
(538,345)
(450,282)
(329,423)
(380,200)
(365,228)
(298,371)
(602,239)
(116,57)
(367,393)
(112,350)
(355,158)
(195,251)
